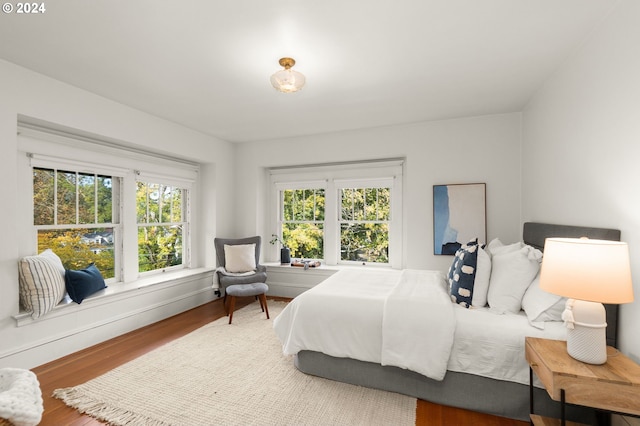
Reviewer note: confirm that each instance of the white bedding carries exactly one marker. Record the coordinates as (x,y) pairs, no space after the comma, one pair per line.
(341,317)
(405,318)
(418,305)
(492,345)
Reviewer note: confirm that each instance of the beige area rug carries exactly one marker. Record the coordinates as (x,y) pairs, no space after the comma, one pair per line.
(235,374)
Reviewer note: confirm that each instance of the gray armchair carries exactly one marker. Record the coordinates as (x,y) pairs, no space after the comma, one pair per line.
(260,276)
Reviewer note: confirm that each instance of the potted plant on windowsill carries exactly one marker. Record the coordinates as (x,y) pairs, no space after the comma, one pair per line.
(285,253)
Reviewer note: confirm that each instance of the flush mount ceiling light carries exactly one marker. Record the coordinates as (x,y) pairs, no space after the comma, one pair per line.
(287,80)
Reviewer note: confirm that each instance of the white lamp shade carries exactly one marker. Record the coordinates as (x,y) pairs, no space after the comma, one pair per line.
(585,269)
(287,80)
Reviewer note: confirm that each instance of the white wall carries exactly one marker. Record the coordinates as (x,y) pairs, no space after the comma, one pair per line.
(581,147)
(31,94)
(470,150)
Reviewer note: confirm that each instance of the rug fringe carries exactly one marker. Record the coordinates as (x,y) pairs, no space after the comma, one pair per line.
(102,411)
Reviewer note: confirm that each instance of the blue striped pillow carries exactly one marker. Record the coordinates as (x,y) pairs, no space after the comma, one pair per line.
(41,285)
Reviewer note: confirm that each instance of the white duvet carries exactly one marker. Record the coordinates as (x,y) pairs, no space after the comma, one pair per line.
(374,315)
(406,319)
(418,324)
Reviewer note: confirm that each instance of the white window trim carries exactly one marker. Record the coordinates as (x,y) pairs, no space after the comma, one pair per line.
(332,177)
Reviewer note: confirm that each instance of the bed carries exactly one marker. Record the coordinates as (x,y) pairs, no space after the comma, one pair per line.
(342,330)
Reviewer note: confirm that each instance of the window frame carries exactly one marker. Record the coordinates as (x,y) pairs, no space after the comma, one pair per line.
(114,224)
(332,177)
(303,185)
(185,222)
(341,184)
(50,163)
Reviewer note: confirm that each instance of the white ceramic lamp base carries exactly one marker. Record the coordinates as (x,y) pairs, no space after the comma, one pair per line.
(587,331)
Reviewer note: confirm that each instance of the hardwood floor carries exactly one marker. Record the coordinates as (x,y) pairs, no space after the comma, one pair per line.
(84,365)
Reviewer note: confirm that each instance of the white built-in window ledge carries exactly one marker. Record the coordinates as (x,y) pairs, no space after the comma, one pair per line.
(120,290)
(323,268)
(285,280)
(288,266)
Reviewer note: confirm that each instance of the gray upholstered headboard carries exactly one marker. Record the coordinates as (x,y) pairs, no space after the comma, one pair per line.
(534,234)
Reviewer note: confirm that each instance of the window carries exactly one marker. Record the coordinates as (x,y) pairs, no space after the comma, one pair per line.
(302,222)
(74,214)
(346,213)
(161,225)
(97,201)
(364,224)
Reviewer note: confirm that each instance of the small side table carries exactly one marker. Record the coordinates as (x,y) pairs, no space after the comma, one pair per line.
(613,386)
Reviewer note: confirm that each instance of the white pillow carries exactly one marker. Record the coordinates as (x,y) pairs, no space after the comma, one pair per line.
(49,254)
(240,257)
(481,282)
(41,285)
(494,244)
(541,306)
(511,274)
(497,247)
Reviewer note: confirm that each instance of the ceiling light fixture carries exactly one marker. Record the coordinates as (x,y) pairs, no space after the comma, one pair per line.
(287,80)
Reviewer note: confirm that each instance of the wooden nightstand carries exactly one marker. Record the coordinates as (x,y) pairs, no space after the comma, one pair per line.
(613,386)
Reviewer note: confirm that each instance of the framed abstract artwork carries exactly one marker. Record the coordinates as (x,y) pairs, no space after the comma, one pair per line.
(459,216)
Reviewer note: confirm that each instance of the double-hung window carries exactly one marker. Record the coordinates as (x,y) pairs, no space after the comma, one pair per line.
(364,221)
(162,224)
(301,219)
(345,213)
(75,214)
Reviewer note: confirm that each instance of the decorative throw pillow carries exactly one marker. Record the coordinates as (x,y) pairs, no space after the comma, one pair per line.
(541,306)
(83,283)
(240,257)
(41,284)
(462,273)
(496,246)
(481,281)
(49,254)
(511,274)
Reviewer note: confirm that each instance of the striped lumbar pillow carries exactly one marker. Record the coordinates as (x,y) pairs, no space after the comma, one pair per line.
(41,285)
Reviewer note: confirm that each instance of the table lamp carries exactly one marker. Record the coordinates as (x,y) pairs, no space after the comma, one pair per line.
(588,272)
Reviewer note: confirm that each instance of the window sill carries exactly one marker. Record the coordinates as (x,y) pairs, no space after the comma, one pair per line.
(323,267)
(115,292)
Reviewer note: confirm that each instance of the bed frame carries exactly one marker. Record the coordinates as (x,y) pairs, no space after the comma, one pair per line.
(476,393)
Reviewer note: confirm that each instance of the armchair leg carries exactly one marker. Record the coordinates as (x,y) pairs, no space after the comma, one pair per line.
(263,304)
(232,306)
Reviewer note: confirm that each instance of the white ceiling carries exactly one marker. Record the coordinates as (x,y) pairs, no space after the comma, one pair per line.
(206,63)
